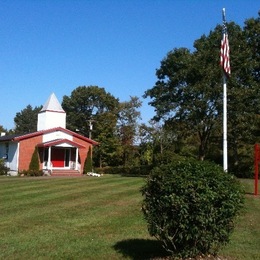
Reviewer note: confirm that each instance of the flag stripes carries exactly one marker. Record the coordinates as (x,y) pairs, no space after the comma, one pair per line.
(224,56)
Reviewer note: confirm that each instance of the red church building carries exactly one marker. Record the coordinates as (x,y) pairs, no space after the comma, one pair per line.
(61,151)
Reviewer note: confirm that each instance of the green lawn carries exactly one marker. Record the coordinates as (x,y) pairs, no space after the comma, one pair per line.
(245,241)
(94,218)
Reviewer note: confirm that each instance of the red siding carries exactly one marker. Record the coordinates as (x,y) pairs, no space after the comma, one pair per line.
(82,151)
(26,150)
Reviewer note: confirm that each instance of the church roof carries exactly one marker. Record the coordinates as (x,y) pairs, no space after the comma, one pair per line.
(20,137)
(52,104)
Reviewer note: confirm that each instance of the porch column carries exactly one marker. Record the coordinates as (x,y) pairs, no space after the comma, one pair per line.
(77,156)
(49,158)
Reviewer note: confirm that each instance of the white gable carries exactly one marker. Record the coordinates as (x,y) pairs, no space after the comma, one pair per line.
(56,135)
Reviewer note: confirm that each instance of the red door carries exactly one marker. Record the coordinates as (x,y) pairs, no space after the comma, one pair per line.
(57,157)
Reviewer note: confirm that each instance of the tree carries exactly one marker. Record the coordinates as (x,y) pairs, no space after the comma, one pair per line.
(252,34)
(94,103)
(87,103)
(3,169)
(34,163)
(26,120)
(128,127)
(158,143)
(3,130)
(109,150)
(188,93)
(88,162)
(183,97)
(243,96)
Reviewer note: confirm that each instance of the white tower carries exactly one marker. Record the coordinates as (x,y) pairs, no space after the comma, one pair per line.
(51,115)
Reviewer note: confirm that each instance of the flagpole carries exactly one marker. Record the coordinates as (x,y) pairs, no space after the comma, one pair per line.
(225,161)
(225,153)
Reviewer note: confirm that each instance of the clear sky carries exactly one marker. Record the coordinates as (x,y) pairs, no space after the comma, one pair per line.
(57,45)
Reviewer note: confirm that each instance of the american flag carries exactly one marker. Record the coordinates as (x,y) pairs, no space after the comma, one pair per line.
(224,56)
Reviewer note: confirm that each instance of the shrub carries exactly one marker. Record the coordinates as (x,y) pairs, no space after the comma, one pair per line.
(127,170)
(190,207)
(34,164)
(88,162)
(31,173)
(3,168)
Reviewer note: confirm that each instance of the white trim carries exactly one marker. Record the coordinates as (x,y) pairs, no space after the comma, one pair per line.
(18,155)
(49,166)
(76,159)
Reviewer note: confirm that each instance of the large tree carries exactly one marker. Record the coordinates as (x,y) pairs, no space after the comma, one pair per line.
(188,93)
(243,93)
(93,103)
(86,103)
(127,126)
(26,120)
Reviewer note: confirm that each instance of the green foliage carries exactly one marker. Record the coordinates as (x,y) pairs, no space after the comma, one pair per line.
(190,206)
(26,120)
(31,173)
(166,157)
(85,103)
(108,150)
(158,144)
(2,129)
(3,168)
(188,94)
(94,103)
(88,162)
(127,128)
(127,170)
(34,164)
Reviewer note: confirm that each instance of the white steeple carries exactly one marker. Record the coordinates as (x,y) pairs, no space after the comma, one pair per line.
(51,115)
(52,104)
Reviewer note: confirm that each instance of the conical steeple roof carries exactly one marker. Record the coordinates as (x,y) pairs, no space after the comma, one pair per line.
(51,115)
(52,104)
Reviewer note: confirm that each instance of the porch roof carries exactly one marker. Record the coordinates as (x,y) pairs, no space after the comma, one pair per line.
(58,142)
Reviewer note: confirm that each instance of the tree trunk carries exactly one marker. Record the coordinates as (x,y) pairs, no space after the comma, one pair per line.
(204,136)
(201,152)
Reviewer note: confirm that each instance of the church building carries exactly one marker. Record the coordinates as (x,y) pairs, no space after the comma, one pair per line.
(61,152)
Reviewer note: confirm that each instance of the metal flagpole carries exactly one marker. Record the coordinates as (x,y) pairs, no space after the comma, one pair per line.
(226,72)
(225,154)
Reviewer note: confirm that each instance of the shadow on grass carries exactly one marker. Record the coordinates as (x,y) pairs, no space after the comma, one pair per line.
(141,249)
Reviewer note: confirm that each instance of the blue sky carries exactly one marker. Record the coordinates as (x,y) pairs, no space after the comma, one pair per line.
(57,45)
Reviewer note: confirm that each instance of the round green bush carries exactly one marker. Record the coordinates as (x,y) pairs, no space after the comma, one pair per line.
(191,206)
(3,168)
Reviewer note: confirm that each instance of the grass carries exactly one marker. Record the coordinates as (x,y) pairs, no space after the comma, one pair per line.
(95,218)
(245,241)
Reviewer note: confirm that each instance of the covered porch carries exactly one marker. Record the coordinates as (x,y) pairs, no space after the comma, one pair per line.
(60,157)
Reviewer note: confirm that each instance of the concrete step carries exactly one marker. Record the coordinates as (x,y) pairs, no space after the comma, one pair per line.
(65,173)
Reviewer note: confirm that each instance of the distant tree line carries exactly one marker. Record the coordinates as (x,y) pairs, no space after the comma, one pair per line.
(187,98)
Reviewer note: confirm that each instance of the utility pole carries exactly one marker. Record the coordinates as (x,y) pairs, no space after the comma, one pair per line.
(90,127)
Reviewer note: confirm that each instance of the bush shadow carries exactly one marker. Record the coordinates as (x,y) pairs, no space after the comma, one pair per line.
(138,249)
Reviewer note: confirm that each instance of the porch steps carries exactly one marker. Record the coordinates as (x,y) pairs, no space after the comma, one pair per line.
(67,173)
